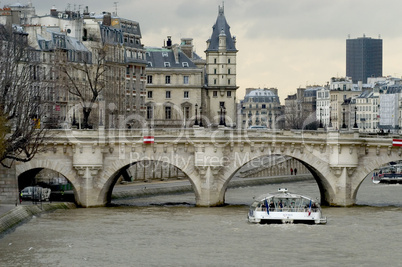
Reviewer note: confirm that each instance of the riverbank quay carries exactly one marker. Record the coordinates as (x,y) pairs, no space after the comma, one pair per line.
(130,190)
(11,216)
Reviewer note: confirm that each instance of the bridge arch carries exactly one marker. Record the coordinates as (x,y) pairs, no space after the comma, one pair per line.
(371,164)
(317,167)
(114,169)
(33,167)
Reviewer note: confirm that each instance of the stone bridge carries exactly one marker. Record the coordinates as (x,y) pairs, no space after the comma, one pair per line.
(93,160)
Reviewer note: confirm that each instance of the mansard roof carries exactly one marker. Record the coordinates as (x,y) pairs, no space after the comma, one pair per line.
(165,58)
(221,27)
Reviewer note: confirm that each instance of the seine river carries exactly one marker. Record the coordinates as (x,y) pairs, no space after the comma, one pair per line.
(166,231)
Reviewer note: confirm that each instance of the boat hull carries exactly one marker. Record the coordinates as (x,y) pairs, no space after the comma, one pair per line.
(286,217)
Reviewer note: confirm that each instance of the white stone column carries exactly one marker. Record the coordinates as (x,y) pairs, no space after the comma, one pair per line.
(88,160)
(88,192)
(342,193)
(210,189)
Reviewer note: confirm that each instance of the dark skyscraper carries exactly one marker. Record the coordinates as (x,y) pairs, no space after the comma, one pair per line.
(363,58)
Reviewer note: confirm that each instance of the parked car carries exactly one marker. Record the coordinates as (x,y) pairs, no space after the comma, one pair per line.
(36,193)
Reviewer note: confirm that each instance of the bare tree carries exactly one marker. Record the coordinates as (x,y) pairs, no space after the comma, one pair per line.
(85,77)
(3,132)
(20,98)
(292,118)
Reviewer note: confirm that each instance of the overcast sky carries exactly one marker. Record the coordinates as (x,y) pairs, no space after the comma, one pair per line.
(283,43)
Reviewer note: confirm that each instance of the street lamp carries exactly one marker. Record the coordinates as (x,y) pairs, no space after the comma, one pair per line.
(224,116)
(320,118)
(330,121)
(355,125)
(74,120)
(201,116)
(222,120)
(196,118)
(343,124)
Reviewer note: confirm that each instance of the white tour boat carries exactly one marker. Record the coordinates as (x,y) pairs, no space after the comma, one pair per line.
(285,207)
(391,174)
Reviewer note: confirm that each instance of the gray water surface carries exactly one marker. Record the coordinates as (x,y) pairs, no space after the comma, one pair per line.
(170,231)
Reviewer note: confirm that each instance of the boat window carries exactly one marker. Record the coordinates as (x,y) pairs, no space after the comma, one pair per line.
(255,204)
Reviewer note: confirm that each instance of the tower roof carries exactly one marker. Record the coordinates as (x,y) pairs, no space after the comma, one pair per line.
(221,27)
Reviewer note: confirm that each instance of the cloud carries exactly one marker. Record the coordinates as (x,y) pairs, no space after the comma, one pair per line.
(283,44)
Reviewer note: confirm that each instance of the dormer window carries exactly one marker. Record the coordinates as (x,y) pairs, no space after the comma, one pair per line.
(185,64)
(167,64)
(164,54)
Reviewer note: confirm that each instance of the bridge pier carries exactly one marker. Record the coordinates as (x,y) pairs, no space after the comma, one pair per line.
(88,193)
(342,192)
(210,194)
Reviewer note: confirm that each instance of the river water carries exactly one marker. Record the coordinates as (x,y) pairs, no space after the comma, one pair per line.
(170,231)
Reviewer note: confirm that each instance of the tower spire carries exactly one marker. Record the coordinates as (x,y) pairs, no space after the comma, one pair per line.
(221,8)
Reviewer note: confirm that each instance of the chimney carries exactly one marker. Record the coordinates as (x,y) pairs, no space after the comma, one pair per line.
(53,11)
(187,47)
(86,11)
(169,42)
(107,19)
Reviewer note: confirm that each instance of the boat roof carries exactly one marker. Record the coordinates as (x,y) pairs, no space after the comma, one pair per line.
(282,193)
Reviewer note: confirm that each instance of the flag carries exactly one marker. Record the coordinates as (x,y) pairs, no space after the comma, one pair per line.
(266,205)
(397,142)
(309,209)
(148,139)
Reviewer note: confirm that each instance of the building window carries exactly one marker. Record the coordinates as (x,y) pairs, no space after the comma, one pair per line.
(228,60)
(214,60)
(185,64)
(228,71)
(214,81)
(168,94)
(149,94)
(215,93)
(167,79)
(185,79)
(150,112)
(149,79)
(264,106)
(168,113)
(166,64)
(214,71)
(228,81)
(164,54)
(185,94)
(229,93)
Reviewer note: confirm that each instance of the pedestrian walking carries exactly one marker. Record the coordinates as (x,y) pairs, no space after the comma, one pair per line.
(295,171)
(291,171)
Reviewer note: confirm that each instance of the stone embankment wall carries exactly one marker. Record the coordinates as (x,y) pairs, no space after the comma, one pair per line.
(181,189)
(272,166)
(152,170)
(23,213)
(8,185)
(261,167)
